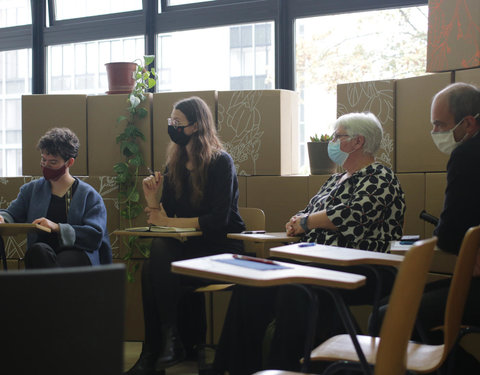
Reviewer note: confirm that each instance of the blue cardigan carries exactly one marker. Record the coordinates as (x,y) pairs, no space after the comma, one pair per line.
(86,226)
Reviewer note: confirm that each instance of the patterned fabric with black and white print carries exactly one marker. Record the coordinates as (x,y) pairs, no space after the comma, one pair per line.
(367,208)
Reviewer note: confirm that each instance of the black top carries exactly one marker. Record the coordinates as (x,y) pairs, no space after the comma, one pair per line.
(57,212)
(461,209)
(218,212)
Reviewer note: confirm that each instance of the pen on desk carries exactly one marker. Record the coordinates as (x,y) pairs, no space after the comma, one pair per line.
(253,259)
(253,232)
(152,173)
(306,244)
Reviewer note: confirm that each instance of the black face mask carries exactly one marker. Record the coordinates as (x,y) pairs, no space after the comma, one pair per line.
(177,134)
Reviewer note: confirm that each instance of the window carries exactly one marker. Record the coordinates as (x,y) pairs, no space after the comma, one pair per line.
(80,67)
(353,47)
(15,13)
(15,80)
(181,2)
(83,8)
(222,58)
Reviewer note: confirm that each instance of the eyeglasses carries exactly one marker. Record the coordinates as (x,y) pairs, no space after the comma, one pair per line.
(176,125)
(336,136)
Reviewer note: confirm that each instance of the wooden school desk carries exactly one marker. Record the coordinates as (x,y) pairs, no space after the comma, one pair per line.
(341,256)
(267,239)
(225,268)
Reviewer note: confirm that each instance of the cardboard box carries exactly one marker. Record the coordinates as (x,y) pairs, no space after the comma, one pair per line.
(134,324)
(43,112)
(15,246)
(413,185)
(162,108)
(260,130)
(415,150)
(471,76)
(377,97)
(435,184)
(279,197)
(453,35)
(103,129)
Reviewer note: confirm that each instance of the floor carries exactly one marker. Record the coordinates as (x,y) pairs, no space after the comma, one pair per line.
(132,351)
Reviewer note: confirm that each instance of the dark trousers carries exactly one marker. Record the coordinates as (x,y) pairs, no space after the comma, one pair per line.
(41,255)
(167,297)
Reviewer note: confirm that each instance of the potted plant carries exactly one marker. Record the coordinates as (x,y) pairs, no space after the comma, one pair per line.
(121,77)
(127,170)
(320,163)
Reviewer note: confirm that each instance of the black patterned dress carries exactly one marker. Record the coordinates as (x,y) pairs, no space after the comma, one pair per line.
(367,208)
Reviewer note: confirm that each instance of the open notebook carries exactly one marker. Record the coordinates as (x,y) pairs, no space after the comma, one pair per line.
(156,228)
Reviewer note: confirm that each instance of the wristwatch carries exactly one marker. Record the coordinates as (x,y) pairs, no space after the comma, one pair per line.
(303,223)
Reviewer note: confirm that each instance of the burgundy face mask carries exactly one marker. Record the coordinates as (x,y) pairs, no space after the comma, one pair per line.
(53,174)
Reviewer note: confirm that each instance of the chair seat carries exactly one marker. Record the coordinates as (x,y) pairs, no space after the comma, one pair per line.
(420,357)
(213,288)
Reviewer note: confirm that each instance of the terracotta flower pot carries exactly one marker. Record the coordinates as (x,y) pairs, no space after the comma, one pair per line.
(320,163)
(120,77)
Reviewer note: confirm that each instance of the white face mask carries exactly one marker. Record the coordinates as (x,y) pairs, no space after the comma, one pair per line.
(445,141)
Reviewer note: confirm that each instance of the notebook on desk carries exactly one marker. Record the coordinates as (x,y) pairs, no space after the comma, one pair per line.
(160,229)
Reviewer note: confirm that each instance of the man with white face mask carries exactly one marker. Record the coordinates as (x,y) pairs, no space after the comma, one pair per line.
(456,124)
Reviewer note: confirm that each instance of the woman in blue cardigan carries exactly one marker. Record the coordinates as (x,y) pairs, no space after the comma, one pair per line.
(71,208)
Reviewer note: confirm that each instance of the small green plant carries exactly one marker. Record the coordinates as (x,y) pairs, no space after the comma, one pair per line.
(323,138)
(130,140)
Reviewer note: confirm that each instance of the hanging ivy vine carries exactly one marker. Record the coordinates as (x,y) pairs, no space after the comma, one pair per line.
(127,170)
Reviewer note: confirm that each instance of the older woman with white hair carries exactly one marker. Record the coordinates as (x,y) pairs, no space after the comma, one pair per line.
(361,208)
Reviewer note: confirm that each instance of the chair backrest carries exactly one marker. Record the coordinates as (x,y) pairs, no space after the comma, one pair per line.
(402,308)
(459,287)
(62,321)
(254,219)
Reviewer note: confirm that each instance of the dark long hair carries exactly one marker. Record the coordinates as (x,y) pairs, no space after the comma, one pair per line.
(205,146)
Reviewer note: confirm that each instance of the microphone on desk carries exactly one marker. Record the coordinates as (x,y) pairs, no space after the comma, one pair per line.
(428,218)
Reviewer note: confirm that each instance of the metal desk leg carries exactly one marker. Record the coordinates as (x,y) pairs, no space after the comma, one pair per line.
(347,321)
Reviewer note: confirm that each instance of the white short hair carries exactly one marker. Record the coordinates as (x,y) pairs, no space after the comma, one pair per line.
(365,124)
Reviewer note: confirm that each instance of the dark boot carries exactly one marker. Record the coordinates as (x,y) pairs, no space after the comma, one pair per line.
(145,364)
(172,352)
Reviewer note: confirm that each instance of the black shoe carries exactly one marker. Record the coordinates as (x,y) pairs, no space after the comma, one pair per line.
(145,365)
(173,351)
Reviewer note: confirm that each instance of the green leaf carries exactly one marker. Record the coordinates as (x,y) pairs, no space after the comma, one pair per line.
(120,167)
(149,59)
(142,112)
(121,118)
(136,161)
(151,83)
(135,196)
(133,148)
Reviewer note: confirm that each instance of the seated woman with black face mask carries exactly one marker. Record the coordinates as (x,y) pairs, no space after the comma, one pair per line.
(199,190)
(71,208)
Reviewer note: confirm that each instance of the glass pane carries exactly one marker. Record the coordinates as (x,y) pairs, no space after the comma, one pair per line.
(15,13)
(239,57)
(80,67)
(353,47)
(15,80)
(14,164)
(84,8)
(181,2)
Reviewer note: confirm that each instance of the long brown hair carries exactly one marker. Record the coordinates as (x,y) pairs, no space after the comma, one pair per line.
(205,146)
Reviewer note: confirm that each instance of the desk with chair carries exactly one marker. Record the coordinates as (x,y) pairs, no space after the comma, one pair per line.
(267,239)
(224,268)
(342,256)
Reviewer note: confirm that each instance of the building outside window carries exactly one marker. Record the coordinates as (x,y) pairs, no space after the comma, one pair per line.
(221,58)
(353,47)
